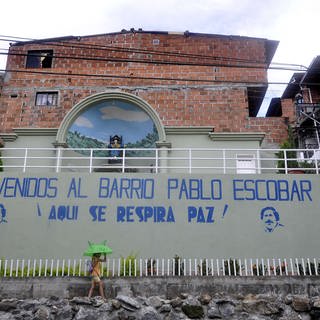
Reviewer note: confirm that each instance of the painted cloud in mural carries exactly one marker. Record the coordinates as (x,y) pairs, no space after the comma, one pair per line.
(95,125)
(83,122)
(115,112)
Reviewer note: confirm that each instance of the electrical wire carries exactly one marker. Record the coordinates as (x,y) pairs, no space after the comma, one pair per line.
(89,46)
(151,61)
(113,76)
(148,51)
(135,50)
(128,77)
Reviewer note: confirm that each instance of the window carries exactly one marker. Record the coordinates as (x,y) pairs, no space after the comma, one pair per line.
(246,163)
(39,59)
(47,99)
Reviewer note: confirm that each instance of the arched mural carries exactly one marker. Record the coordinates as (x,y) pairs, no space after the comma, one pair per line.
(93,122)
(95,126)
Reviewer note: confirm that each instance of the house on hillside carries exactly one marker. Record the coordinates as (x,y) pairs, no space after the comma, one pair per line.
(163,90)
(302,97)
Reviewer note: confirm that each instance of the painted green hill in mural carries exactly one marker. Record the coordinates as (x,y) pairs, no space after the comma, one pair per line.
(77,140)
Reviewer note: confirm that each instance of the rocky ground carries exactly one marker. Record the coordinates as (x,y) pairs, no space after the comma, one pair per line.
(186,306)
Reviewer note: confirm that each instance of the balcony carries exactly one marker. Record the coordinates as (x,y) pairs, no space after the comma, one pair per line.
(307,111)
(158,160)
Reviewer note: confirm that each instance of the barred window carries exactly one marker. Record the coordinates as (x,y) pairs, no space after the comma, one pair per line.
(47,99)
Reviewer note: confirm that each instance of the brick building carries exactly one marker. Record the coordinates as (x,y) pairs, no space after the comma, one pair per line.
(196,84)
(182,110)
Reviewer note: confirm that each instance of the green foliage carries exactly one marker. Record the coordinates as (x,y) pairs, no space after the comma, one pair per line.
(151,266)
(308,271)
(178,265)
(231,267)
(36,271)
(128,265)
(77,140)
(203,268)
(258,269)
(287,144)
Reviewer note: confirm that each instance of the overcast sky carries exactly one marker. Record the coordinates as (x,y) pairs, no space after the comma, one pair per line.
(292,22)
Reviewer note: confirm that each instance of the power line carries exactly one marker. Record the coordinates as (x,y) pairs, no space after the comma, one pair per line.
(150,61)
(89,46)
(116,76)
(179,54)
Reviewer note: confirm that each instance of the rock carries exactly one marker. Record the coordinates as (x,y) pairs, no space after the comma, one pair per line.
(315,303)
(205,299)
(289,314)
(129,303)
(97,301)
(252,305)
(8,304)
(149,313)
(315,314)
(123,315)
(116,304)
(66,313)
(173,315)
(288,299)
(222,306)
(155,302)
(192,308)
(226,308)
(29,304)
(43,313)
(165,308)
(86,314)
(301,303)
(81,300)
(177,302)
(6,316)
(214,313)
(184,295)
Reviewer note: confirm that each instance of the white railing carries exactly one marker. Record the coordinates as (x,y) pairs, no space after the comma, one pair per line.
(160,267)
(154,160)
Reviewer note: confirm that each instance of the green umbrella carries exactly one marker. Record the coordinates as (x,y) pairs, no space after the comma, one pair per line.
(97,248)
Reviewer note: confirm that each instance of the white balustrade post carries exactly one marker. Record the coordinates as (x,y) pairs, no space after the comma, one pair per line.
(59,154)
(162,156)
(25,160)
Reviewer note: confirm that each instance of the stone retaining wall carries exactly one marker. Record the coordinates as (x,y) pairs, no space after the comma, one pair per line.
(285,298)
(69,287)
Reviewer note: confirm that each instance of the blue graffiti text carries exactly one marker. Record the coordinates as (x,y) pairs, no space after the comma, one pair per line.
(145,214)
(124,188)
(272,190)
(194,189)
(75,189)
(98,213)
(28,187)
(64,213)
(200,214)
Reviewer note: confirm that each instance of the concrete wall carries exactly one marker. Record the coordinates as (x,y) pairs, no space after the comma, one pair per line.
(160,215)
(170,287)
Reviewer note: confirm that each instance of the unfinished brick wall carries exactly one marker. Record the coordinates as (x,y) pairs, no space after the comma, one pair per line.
(190,80)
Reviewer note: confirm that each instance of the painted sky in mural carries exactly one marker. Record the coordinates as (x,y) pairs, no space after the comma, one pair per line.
(111,117)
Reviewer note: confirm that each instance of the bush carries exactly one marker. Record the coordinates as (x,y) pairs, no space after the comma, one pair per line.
(231,267)
(178,266)
(128,265)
